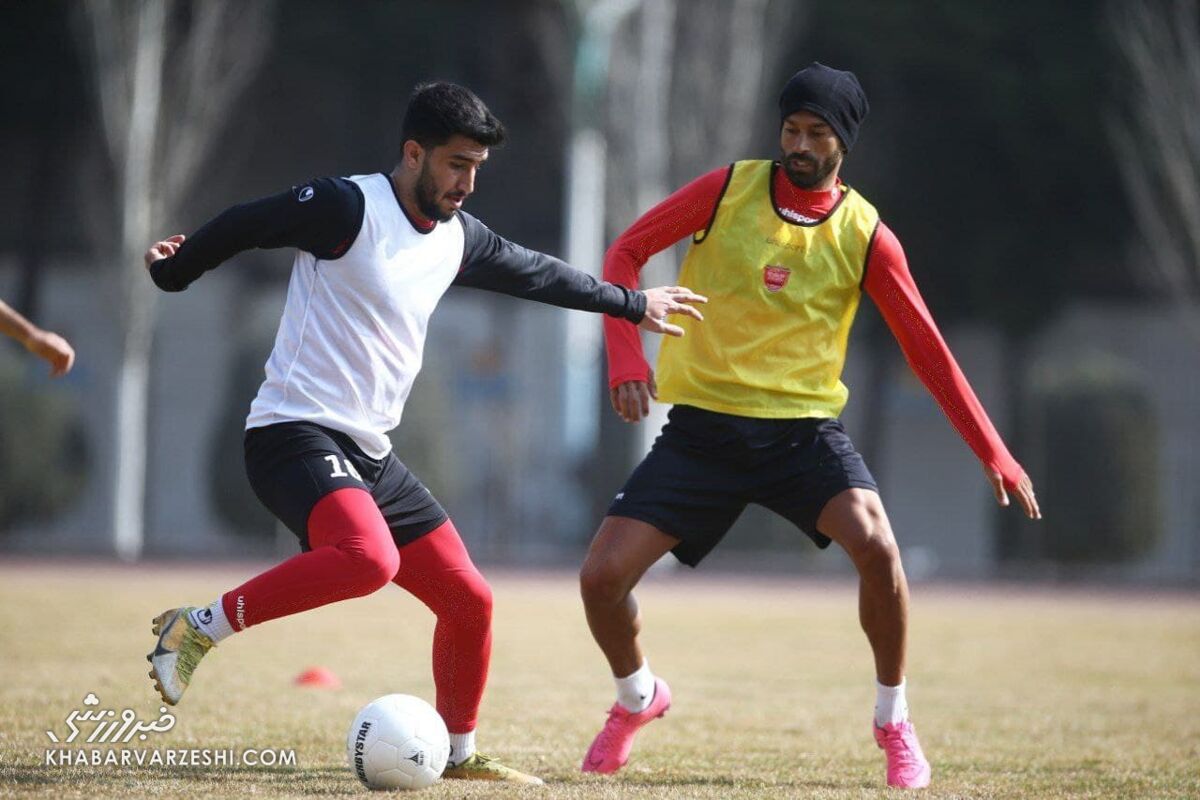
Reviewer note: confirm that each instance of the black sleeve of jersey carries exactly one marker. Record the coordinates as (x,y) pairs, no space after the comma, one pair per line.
(322,217)
(493,263)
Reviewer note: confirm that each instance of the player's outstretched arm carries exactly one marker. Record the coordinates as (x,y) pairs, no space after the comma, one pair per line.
(890,284)
(321,217)
(496,264)
(50,347)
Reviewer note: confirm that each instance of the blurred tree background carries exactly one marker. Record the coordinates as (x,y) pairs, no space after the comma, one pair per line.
(987,150)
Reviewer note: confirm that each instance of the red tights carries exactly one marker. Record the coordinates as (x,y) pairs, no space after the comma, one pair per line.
(352,555)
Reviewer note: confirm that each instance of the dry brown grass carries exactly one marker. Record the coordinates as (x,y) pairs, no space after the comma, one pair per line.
(1017,694)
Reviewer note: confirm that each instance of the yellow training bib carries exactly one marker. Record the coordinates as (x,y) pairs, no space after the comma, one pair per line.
(781,299)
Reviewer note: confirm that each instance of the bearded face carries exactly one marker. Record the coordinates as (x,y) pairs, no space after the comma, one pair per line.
(811,151)
(808,171)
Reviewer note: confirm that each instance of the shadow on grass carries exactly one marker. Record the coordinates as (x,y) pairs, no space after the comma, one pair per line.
(782,787)
(338,780)
(301,780)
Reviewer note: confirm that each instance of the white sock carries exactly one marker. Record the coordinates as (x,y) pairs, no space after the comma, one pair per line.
(211,621)
(462,747)
(890,704)
(634,692)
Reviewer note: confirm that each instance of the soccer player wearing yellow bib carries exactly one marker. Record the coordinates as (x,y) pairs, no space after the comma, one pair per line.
(783,251)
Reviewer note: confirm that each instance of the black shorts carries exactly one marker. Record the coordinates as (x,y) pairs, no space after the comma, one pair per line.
(705,468)
(292,465)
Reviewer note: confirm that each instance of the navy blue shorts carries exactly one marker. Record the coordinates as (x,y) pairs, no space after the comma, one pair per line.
(706,467)
(292,465)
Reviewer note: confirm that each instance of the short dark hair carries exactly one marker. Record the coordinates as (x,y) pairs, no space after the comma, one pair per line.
(437,111)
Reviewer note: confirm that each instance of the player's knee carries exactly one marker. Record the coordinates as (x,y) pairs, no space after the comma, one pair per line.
(373,564)
(476,601)
(600,583)
(882,551)
(873,546)
(385,564)
(461,597)
(378,570)
(878,552)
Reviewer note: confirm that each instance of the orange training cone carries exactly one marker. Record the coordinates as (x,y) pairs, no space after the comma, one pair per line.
(318,678)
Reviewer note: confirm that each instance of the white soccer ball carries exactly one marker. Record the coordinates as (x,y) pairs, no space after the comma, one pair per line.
(398,742)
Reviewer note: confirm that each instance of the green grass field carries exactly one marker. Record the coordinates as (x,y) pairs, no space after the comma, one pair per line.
(1017,694)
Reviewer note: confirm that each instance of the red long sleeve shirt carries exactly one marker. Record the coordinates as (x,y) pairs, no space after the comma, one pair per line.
(888,282)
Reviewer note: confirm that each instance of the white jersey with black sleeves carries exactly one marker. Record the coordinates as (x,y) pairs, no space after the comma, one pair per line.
(364,283)
(353,330)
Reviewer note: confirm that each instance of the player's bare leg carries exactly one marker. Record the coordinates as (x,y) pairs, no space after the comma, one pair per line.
(855,519)
(621,552)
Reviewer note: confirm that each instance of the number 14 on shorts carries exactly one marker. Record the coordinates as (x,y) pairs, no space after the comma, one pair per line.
(338,472)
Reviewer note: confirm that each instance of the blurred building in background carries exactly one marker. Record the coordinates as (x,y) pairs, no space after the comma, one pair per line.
(993,149)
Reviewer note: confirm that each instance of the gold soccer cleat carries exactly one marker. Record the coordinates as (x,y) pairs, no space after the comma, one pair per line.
(485,768)
(179,649)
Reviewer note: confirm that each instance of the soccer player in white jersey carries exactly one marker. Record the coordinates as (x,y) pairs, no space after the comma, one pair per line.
(374,255)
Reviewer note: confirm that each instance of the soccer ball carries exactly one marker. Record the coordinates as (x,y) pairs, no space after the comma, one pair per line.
(398,742)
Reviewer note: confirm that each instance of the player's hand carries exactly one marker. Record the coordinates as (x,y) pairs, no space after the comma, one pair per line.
(54,349)
(164,249)
(666,300)
(631,400)
(1024,492)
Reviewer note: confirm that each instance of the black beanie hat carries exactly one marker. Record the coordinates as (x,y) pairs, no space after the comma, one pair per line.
(832,94)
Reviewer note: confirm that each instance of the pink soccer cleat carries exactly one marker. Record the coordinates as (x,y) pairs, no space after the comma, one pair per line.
(906,764)
(610,749)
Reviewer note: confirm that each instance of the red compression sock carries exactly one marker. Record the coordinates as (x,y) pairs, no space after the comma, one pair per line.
(352,555)
(437,570)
